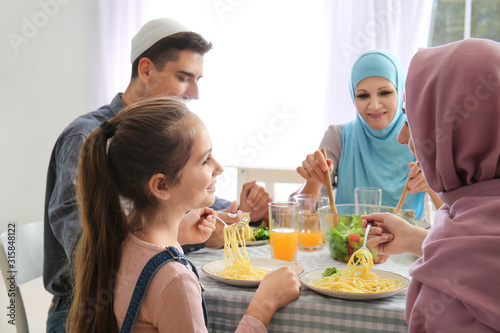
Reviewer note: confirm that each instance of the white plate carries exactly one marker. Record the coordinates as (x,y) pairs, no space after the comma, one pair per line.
(311,276)
(256,243)
(213,267)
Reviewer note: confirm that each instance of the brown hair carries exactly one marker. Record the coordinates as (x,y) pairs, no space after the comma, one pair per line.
(167,49)
(152,136)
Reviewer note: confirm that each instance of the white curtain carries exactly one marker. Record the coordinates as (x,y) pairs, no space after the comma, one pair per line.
(115,23)
(398,26)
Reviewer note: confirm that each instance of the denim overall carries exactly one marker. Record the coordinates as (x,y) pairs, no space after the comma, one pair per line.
(145,278)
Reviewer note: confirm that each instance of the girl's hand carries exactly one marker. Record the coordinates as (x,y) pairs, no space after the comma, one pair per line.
(418,183)
(216,240)
(277,289)
(393,235)
(196,226)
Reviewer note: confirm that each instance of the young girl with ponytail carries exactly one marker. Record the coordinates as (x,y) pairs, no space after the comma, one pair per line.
(138,175)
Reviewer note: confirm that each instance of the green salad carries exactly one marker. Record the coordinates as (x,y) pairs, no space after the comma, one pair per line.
(346,238)
(261,234)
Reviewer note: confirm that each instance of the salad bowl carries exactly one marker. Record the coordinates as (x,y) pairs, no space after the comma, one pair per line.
(343,232)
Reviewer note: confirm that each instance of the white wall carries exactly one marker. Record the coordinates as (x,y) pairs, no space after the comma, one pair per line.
(43,86)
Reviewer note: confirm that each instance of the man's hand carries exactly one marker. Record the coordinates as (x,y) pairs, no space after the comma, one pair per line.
(196,226)
(254,199)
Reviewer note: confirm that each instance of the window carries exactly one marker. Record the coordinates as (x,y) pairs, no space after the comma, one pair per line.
(449,17)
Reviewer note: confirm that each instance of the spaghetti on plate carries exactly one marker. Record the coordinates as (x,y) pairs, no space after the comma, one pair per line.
(357,277)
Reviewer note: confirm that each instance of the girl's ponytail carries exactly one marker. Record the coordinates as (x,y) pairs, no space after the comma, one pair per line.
(104,228)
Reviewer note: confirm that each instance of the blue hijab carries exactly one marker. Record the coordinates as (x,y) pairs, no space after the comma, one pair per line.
(375,158)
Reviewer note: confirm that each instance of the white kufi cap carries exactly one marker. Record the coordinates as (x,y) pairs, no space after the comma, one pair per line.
(151,33)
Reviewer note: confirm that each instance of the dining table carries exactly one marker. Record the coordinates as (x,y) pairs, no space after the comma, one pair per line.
(311,312)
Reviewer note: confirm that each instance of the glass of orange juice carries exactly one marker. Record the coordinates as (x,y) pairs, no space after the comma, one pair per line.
(311,237)
(283,226)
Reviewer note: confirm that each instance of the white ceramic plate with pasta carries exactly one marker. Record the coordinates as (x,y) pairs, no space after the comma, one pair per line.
(213,267)
(256,243)
(314,275)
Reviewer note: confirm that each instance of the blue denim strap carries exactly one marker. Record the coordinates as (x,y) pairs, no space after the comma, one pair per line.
(145,278)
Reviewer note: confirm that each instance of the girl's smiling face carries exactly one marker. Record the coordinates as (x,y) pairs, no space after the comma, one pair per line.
(197,186)
(376,100)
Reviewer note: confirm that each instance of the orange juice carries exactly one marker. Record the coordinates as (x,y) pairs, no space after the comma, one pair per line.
(284,243)
(310,238)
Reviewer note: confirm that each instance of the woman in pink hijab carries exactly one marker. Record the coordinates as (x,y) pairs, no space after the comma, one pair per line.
(453,109)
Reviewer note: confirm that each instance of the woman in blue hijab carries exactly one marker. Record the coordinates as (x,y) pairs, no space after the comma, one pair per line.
(365,152)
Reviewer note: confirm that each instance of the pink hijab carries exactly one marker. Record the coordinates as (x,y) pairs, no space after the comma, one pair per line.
(453,108)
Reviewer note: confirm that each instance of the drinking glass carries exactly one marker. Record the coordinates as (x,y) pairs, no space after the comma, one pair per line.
(366,196)
(283,226)
(310,235)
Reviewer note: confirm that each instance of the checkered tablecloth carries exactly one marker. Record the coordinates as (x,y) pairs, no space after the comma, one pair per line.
(311,312)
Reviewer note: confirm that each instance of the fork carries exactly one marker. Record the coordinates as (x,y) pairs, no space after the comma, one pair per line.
(245,220)
(367,232)
(218,218)
(234,215)
(359,252)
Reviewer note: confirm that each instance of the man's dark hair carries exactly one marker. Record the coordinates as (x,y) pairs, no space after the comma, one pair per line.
(168,48)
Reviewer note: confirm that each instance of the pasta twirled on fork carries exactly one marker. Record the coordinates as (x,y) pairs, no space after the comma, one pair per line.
(236,258)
